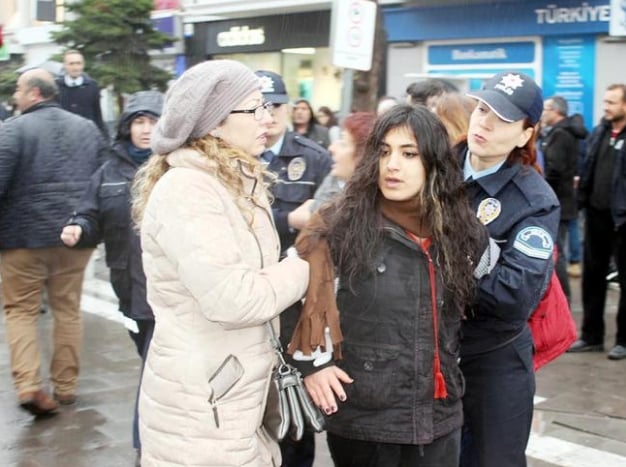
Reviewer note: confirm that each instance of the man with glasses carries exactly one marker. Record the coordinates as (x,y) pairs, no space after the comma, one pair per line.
(300,165)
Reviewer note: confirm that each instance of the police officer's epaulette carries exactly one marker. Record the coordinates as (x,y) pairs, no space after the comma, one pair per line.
(306,142)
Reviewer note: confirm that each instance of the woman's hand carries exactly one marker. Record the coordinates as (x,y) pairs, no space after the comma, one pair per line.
(71,234)
(324,385)
(299,217)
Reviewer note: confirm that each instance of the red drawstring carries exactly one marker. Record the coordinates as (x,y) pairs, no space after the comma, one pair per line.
(441,391)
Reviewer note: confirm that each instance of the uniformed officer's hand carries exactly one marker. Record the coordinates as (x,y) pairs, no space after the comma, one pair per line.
(299,217)
(71,234)
(324,385)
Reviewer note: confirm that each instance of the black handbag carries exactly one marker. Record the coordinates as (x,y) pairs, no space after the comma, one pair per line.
(297,411)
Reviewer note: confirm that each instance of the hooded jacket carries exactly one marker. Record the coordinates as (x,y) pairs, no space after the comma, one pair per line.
(104,213)
(561,148)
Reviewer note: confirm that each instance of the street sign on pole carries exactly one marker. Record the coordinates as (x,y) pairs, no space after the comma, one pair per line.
(352,34)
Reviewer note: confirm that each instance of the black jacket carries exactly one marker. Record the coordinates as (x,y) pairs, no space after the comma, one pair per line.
(388,348)
(83,100)
(319,134)
(104,214)
(618,183)
(561,148)
(47,156)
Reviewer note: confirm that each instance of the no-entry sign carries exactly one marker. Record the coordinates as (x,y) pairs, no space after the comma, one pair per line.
(352,34)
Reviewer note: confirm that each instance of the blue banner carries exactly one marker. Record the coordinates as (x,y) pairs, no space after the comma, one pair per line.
(528,18)
(468,54)
(568,69)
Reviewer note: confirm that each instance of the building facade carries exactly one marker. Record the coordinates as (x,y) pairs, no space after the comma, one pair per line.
(284,36)
(564,44)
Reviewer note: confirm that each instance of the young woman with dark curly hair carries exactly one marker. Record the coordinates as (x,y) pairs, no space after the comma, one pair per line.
(404,244)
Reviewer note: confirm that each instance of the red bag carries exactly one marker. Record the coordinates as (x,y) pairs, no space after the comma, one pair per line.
(551,325)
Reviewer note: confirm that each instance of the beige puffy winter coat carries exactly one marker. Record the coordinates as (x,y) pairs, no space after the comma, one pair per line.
(213,283)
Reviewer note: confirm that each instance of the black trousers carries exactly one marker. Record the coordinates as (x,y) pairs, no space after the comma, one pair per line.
(601,241)
(498,405)
(442,452)
(561,262)
(142,342)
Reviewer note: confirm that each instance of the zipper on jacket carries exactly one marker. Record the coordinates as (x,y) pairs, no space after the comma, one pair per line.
(213,403)
(439,380)
(262,208)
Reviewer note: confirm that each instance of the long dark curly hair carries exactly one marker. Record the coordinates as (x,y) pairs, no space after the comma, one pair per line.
(354,221)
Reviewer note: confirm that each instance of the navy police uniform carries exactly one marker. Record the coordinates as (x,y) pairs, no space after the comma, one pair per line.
(521,213)
(301,166)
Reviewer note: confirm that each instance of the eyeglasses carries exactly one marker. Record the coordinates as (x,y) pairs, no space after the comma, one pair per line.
(257,111)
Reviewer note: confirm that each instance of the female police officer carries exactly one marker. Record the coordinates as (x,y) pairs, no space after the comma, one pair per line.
(521,212)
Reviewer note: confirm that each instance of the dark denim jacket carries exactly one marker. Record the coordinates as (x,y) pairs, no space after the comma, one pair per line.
(387,322)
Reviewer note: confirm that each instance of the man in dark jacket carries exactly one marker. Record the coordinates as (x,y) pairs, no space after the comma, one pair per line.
(300,165)
(47,156)
(78,93)
(603,195)
(560,147)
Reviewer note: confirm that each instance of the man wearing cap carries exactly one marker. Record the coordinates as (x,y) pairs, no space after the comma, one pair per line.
(300,165)
(603,195)
(521,213)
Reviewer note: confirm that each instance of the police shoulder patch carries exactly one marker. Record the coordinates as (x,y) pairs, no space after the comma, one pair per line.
(534,242)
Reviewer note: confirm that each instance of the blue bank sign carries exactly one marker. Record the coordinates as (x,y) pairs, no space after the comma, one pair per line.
(526,18)
(570,63)
(469,54)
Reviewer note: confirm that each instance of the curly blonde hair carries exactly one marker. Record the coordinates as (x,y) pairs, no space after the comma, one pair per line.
(232,164)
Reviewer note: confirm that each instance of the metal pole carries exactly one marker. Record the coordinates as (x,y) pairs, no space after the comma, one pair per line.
(346,97)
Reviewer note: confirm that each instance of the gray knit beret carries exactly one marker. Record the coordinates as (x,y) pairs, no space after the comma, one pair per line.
(200,100)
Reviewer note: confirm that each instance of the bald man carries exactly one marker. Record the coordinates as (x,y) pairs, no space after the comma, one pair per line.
(47,156)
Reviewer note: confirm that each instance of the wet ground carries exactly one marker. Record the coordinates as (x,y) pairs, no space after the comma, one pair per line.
(580,417)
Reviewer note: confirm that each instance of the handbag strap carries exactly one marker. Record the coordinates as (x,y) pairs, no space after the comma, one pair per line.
(276,343)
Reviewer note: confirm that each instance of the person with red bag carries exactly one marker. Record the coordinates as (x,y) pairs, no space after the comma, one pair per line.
(521,213)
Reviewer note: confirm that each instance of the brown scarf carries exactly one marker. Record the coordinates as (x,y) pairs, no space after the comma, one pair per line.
(320,307)
(407,215)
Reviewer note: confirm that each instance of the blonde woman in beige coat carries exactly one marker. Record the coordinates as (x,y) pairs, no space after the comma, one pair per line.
(210,253)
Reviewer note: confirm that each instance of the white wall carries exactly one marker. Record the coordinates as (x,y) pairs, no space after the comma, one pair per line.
(609,70)
(402,60)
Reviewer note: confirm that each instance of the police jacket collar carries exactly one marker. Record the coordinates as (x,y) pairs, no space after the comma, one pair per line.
(494,182)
